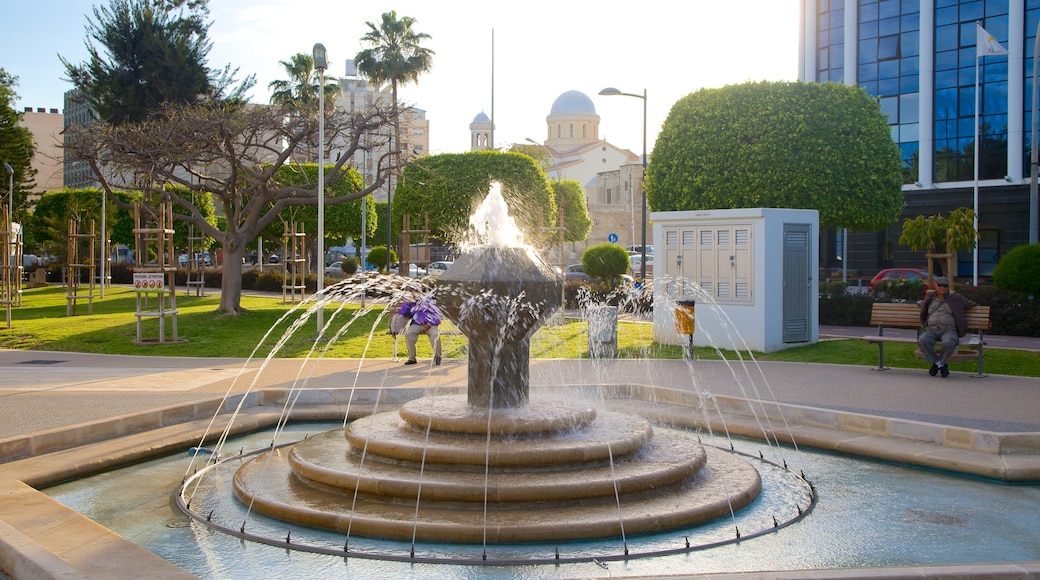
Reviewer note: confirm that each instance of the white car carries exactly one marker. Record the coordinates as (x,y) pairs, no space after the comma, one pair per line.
(435,269)
(413,271)
(335,270)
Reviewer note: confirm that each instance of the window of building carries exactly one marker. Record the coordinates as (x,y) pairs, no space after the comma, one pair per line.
(888,47)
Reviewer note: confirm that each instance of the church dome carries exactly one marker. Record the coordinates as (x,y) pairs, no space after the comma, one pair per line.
(481,118)
(573,103)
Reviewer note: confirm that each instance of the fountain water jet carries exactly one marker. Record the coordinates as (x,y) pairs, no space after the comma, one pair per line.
(498,466)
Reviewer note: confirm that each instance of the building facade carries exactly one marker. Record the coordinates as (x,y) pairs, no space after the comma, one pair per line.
(611,177)
(920,58)
(358,96)
(46,126)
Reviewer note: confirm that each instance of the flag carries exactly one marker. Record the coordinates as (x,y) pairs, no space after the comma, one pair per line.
(987,45)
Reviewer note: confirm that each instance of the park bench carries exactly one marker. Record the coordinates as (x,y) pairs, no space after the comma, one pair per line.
(907,315)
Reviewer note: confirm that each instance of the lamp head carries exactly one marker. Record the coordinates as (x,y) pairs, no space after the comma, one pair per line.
(321,57)
(610,91)
(8,168)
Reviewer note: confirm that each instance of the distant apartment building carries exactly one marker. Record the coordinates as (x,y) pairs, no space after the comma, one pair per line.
(77,112)
(358,96)
(46,126)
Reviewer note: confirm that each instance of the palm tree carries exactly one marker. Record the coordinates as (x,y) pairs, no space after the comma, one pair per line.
(300,92)
(394,56)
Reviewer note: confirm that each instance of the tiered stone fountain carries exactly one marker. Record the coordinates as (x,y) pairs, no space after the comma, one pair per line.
(498,466)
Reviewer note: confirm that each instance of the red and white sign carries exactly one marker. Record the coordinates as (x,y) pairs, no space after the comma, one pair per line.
(149,282)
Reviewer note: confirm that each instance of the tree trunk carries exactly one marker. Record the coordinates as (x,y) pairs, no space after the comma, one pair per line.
(231,280)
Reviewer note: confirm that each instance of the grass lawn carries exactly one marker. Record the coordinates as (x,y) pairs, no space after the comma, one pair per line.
(41,323)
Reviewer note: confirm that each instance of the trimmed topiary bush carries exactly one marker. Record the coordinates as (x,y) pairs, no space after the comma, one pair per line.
(377,257)
(349,266)
(605,262)
(1018,270)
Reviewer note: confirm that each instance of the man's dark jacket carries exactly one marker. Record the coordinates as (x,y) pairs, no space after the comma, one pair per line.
(958,304)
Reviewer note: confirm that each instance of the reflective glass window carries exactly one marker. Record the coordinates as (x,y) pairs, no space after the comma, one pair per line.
(888,26)
(910,133)
(888,47)
(909,83)
(868,29)
(868,11)
(946,38)
(972,11)
(890,107)
(910,43)
(910,22)
(908,108)
(888,86)
(867,72)
(945,16)
(888,8)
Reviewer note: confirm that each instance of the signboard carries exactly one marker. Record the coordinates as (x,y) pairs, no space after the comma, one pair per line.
(612,238)
(149,282)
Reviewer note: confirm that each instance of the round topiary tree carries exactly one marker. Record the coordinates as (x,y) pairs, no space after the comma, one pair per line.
(606,262)
(1017,269)
(377,257)
(349,266)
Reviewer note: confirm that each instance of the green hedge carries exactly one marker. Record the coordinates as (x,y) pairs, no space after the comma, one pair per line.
(1011,313)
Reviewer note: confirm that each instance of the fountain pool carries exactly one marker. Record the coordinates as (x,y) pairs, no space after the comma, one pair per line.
(868,514)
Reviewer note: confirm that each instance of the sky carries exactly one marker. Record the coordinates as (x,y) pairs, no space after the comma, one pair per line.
(508,60)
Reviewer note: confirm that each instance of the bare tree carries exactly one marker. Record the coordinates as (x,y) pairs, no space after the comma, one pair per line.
(234,152)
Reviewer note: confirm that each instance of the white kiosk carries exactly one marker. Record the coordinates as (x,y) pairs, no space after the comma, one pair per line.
(752,273)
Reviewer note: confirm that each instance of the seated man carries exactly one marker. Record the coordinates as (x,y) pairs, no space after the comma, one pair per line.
(942,319)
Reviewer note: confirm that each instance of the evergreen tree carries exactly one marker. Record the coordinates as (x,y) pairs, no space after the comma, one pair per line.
(16,148)
(147,52)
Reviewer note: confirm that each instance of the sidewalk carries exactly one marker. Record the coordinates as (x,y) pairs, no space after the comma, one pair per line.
(70,414)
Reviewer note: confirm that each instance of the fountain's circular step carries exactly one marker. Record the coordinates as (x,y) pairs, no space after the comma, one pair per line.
(666,460)
(454,414)
(611,435)
(728,482)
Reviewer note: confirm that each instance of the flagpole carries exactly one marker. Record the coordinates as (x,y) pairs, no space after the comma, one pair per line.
(975,197)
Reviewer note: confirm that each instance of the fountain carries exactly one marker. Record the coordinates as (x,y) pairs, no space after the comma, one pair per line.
(498,465)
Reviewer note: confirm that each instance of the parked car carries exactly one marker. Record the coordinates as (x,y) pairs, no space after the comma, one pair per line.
(335,270)
(435,269)
(30,262)
(637,249)
(413,271)
(909,274)
(575,272)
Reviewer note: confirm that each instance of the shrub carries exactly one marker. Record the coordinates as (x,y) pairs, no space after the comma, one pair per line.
(843,309)
(1018,269)
(606,262)
(377,257)
(349,265)
(899,289)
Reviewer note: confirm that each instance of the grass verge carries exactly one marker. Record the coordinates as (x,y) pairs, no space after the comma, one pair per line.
(42,323)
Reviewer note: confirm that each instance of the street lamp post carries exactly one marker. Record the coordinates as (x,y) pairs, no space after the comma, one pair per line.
(321,63)
(389,187)
(612,92)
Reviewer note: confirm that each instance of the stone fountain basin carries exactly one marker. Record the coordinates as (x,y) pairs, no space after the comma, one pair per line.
(271,487)
(498,475)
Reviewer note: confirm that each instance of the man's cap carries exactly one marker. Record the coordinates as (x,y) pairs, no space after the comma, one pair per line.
(942,281)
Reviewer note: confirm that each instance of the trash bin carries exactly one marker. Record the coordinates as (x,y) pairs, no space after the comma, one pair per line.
(602,330)
(685,321)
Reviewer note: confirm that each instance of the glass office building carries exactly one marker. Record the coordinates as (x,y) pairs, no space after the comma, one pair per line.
(919,58)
